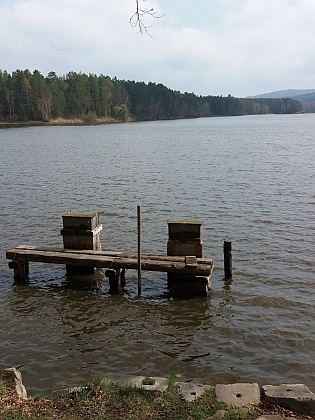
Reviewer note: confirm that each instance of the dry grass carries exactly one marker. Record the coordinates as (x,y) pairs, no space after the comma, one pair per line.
(65,121)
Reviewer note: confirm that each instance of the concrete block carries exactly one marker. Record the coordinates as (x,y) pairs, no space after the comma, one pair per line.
(190,391)
(185,248)
(160,384)
(80,220)
(239,394)
(185,229)
(12,379)
(295,397)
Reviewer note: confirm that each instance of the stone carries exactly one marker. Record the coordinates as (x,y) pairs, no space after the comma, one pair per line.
(189,391)
(239,394)
(160,384)
(295,397)
(12,379)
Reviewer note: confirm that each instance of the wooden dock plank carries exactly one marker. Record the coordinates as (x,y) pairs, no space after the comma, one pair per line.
(203,260)
(100,259)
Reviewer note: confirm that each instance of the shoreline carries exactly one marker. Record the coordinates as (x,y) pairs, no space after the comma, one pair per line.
(106,120)
(62,122)
(224,401)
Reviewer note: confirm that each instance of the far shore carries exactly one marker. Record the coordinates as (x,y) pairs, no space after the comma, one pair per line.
(61,122)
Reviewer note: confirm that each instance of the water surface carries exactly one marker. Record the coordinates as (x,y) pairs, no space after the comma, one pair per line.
(250,179)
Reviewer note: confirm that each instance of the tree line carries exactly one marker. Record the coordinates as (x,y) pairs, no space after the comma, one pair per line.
(26,96)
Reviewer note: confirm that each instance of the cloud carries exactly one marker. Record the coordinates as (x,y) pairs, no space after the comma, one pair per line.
(254,46)
(275,40)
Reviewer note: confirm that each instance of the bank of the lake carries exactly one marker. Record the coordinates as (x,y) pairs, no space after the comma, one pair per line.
(61,122)
(121,396)
(31,96)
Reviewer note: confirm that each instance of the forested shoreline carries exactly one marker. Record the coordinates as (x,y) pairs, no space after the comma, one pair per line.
(26,96)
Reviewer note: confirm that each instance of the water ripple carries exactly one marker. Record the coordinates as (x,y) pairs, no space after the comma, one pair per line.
(248,178)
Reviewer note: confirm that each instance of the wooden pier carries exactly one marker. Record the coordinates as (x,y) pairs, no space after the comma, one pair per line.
(119,262)
(112,260)
(185,264)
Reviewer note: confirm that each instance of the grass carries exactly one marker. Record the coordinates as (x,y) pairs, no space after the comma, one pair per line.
(102,400)
(148,381)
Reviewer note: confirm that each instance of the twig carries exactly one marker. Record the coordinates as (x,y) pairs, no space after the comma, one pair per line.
(137,20)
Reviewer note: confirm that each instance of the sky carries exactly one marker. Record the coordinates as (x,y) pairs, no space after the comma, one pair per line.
(209,47)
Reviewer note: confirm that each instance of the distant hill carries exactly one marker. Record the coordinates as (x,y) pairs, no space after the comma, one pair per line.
(305,96)
(301,95)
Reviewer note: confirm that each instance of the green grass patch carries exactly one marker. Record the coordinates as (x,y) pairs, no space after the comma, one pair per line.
(148,381)
(103,400)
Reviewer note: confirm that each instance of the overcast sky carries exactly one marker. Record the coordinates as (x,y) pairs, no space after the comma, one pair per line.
(210,47)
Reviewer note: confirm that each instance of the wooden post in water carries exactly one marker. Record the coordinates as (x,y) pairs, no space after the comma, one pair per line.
(139,249)
(21,270)
(227,250)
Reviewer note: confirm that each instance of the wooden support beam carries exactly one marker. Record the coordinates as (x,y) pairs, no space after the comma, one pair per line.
(191,261)
(116,280)
(21,270)
(183,259)
(104,261)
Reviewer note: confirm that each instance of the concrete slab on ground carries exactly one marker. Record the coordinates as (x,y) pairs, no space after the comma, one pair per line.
(160,384)
(189,391)
(295,397)
(239,394)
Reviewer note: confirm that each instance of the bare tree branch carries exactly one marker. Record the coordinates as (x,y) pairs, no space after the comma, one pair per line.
(138,21)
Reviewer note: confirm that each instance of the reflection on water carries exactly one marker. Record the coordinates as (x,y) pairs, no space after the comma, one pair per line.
(85,282)
(241,176)
(102,332)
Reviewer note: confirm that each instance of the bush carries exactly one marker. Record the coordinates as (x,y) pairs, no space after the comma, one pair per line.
(90,117)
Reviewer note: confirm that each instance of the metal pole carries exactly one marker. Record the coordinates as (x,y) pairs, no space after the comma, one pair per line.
(139,249)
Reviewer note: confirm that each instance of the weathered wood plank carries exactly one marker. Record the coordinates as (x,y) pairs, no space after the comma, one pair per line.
(203,260)
(191,261)
(96,259)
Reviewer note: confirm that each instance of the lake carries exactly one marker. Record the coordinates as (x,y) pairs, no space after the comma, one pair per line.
(250,179)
